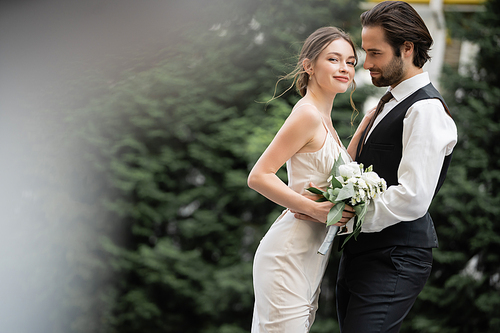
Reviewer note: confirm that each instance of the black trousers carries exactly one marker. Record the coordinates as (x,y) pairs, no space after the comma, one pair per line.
(376,289)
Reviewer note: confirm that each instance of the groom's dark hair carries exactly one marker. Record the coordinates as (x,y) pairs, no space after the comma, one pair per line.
(401,23)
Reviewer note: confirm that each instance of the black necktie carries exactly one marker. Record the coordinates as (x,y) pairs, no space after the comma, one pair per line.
(386,98)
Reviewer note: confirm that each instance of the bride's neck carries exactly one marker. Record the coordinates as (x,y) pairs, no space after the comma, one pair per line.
(323,102)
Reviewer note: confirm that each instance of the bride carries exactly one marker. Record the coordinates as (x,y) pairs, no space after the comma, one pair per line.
(287,270)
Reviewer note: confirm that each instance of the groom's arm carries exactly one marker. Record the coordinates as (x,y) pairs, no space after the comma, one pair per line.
(429,134)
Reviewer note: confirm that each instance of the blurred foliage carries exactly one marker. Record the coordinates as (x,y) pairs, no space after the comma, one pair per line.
(174,144)
(159,225)
(463,293)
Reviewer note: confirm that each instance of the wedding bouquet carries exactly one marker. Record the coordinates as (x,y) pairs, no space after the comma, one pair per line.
(348,184)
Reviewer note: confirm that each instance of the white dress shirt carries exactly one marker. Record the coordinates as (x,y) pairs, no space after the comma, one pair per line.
(429,134)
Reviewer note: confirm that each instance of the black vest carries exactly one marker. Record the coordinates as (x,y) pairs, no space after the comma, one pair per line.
(383,150)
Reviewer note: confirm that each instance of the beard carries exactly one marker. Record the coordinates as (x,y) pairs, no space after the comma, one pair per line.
(392,73)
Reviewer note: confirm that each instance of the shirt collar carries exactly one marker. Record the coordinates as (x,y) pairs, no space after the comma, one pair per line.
(409,86)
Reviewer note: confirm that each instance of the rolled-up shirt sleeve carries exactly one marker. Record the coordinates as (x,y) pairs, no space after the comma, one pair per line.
(429,134)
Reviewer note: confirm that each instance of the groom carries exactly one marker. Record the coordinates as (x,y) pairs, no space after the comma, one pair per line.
(409,144)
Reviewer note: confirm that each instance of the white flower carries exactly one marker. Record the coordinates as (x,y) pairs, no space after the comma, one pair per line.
(329,178)
(362,184)
(356,186)
(371,178)
(352,180)
(349,170)
(362,194)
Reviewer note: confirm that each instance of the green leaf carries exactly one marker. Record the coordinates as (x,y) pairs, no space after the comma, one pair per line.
(361,210)
(346,192)
(335,214)
(315,190)
(332,194)
(355,233)
(335,183)
(335,169)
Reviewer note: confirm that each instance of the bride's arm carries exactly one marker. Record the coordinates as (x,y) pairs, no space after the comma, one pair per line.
(353,145)
(298,131)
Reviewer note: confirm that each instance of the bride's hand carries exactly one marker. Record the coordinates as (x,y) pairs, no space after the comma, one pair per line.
(368,116)
(323,210)
(347,214)
(314,197)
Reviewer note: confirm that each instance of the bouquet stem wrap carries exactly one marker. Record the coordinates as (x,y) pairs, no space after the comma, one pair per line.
(327,243)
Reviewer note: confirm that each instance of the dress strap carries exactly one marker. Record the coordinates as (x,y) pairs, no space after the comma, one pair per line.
(320,115)
(338,140)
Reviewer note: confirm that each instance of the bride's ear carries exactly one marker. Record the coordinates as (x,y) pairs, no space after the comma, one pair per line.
(308,67)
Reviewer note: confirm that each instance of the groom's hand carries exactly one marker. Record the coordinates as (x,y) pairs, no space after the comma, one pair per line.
(348,213)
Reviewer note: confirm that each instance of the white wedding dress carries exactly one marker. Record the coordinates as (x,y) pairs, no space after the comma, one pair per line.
(287,269)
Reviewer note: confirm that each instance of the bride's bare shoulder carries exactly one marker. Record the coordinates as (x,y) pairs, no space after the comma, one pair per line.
(306,113)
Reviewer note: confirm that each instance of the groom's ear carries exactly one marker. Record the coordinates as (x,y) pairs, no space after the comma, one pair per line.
(407,49)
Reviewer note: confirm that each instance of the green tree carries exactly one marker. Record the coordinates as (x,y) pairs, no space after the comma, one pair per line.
(174,144)
(462,294)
